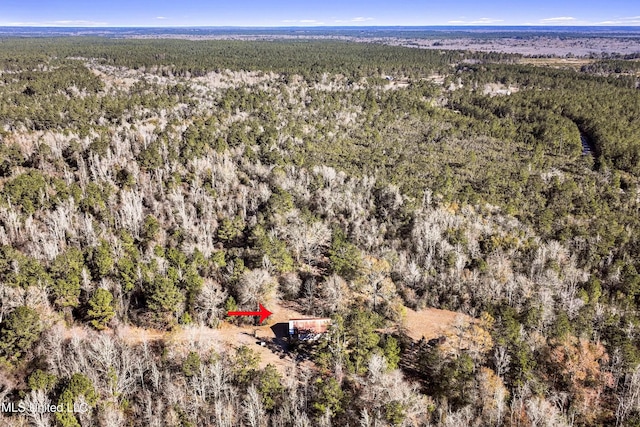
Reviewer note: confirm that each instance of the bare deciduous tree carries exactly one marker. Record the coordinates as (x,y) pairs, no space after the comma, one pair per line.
(209,303)
(543,413)
(501,360)
(629,400)
(36,403)
(131,214)
(256,286)
(334,293)
(10,298)
(253,410)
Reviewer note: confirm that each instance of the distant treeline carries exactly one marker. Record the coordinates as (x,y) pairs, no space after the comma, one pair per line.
(195,58)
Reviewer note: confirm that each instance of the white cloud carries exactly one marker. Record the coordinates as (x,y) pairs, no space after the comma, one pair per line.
(356,19)
(75,23)
(559,19)
(302,21)
(480,21)
(161,17)
(630,20)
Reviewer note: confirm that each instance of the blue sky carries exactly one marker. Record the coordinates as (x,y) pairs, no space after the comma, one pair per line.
(314,13)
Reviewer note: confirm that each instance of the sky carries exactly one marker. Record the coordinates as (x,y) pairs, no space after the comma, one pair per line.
(286,13)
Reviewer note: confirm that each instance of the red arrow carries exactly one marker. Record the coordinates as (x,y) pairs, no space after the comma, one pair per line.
(263,313)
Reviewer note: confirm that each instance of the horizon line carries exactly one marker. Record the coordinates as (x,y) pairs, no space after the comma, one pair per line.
(319,26)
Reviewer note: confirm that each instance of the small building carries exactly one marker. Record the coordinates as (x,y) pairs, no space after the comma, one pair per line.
(308,329)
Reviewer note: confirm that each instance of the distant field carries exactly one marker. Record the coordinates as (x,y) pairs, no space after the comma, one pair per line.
(544,45)
(574,63)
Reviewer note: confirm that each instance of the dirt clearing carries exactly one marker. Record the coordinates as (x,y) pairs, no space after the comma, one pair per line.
(227,337)
(432,323)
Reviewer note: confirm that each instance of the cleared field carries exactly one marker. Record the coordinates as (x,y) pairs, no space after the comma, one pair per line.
(575,63)
(433,323)
(460,332)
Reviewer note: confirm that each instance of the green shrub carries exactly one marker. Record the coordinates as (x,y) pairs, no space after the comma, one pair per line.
(67,274)
(18,332)
(27,190)
(78,385)
(346,259)
(100,309)
(191,365)
(231,230)
(40,380)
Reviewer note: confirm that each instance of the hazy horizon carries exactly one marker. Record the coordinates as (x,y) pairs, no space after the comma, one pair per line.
(310,27)
(285,13)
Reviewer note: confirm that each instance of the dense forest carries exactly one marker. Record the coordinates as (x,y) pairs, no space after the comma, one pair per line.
(148,187)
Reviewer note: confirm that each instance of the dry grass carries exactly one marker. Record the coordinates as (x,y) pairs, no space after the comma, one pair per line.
(461,332)
(432,323)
